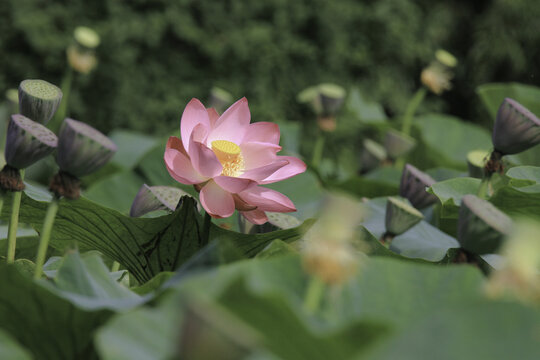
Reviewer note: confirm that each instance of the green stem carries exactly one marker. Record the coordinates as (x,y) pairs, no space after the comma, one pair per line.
(483,188)
(14,224)
(45,236)
(318,151)
(411,110)
(314,294)
(406,126)
(115,266)
(206,229)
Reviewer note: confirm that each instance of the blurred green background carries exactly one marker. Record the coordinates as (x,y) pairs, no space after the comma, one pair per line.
(156,54)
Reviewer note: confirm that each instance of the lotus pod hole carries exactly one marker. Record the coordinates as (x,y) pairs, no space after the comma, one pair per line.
(413,186)
(27,142)
(481,226)
(476,161)
(86,37)
(82,149)
(516,128)
(397,143)
(39,100)
(400,216)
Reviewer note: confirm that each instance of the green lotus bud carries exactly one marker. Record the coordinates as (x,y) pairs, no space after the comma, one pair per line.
(476,161)
(82,149)
(372,155)
(516,128)
(152,198)
(413,187)
(398,144)
(27,142)
(39,100)
(220,99)
(332,97)
(400,216)
(481,226)
(445,58)
(86,38)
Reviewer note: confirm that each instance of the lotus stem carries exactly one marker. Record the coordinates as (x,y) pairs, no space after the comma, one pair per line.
(318,151)
(45,236)
(314,294)
(14,224)
(406,126)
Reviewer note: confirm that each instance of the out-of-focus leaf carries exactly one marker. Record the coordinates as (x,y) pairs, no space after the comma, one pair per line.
(276,248)
(153,284)
(10,348)
(117,191)
(450,193)
(449,139)
(524,175)
(131,147)
(422,241)
(365,110)
(483,330)
(492,95)
(522,201)
(86,282)
(360,186)
(48,325)
(386,174)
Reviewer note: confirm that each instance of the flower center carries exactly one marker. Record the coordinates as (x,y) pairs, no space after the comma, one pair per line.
(230,157)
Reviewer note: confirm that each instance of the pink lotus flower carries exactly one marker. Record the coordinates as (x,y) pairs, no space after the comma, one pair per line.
(226,157)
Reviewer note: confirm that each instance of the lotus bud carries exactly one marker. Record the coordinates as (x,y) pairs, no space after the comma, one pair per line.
(330,249)
(516,128)
(519,276)
(152,198)
(373,155)
(81,55)
(220,99)
(27,142)
(413,187)
(445,58)
(400,217)
(39,100)
(81,151)
(476,161)
(398,144)
(481,226)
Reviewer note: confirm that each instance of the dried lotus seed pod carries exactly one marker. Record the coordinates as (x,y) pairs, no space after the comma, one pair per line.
(397,143)
(413,187)
(400,216)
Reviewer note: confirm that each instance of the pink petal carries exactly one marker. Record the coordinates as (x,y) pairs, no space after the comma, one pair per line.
(265,132)
(258,154)
(194,114)
(267,199)
(257,217)
(233,184)
(203,159)
(232,124)
(295,167)
(261,173)
(216,201)
(180,168)
(213,116)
